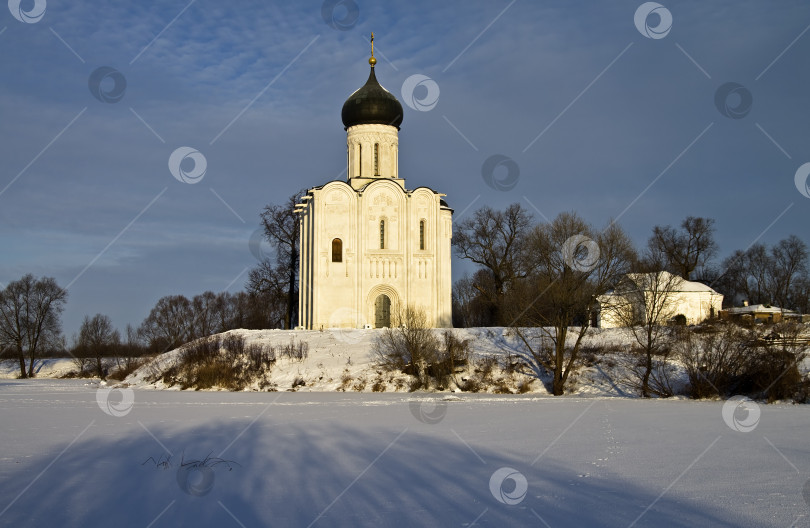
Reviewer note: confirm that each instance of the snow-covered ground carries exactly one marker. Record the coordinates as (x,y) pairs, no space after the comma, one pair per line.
(43,368)
(76,454)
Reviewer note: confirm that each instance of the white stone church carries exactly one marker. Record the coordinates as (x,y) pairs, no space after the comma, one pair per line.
(369,246)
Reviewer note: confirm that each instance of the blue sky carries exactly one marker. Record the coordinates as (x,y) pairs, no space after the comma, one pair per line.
(599,118)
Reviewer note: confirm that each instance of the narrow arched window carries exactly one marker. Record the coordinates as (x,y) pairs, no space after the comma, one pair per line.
(421,234)
(360,161)
(376,159)
(337,250)
(382,234)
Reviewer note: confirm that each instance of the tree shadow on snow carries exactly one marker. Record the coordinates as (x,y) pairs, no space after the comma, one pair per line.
(319,474)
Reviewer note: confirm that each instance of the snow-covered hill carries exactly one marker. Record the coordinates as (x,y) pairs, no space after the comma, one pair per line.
(344,360)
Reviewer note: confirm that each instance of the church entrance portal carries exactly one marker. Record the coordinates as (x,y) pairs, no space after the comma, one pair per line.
(382,311)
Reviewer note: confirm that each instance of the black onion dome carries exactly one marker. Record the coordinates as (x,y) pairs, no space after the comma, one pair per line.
(371,104)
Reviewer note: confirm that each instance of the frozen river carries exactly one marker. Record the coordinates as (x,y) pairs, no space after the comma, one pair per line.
(72,455)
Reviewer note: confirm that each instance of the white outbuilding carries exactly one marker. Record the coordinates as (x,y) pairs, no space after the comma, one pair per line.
(664,293)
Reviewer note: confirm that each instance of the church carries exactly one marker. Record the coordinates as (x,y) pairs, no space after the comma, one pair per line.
(369,247)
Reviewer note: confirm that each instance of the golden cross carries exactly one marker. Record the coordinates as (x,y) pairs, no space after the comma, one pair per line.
(372,43)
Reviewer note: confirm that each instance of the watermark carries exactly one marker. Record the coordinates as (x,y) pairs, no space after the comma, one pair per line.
(428,95)
(179,161)
(741,414)
(492,171)
(194,477)
(114,401)
(340,14)
(801,179)
(512,493)
(107,84)
(196,480)
(806,493)
(580,253)
(346,334)
(733,100)
(655,10)
(32,16)
(430,410)
(259,246)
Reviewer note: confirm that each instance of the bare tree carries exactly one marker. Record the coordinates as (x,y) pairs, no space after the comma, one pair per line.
(470,306)
(281,229)
(169,323)
(495,240)
(268,290)
(81,360)
(789,258)
(206,307)
(574,265)
(98,339)
(30,311)
(687,249)
(730,281)
(645,302)
(228,314)
(130,349)
(757,264)
(762,276)
(801,294)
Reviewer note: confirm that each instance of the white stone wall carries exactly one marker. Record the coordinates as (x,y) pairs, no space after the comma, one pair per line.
(360,145)
(342,294)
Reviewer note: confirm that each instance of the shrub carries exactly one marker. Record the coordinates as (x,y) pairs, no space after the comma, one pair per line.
(345,380)
(260,357)
(634,368)
(295,351)
(234,344)
(414,349)
(411,347)
(211,375)
(454,357)
(733,360)
(501,388)
(772,371)
(482,376)
(713,361)
(484,367)
(470,384)
(222,361)
(125,369)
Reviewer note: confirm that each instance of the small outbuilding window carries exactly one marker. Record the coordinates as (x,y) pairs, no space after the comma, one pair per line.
(337,250)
